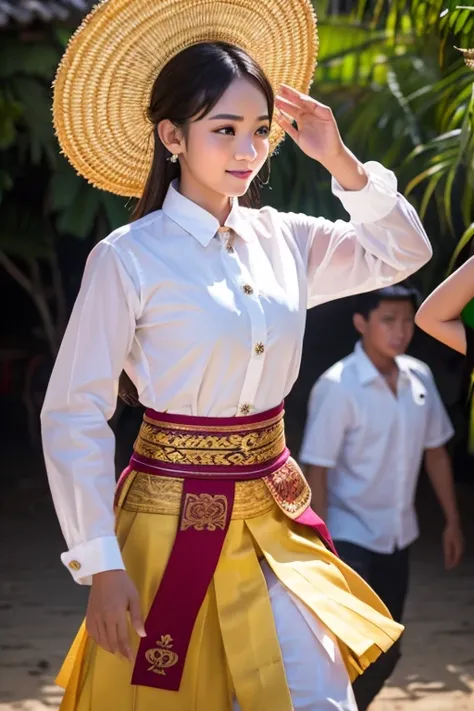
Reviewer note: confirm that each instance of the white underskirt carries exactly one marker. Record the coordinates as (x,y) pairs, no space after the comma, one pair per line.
(315,671)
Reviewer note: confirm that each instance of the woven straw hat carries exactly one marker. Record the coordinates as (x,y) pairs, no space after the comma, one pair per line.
(104,81)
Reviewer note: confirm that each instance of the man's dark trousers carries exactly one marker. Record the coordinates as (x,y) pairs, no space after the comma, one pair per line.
(387,575)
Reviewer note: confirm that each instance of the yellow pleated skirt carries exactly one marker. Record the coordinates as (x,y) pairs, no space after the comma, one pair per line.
(234,649)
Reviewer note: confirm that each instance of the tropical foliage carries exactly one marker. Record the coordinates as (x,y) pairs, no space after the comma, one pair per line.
(401,91)
(402,95)
(42,200)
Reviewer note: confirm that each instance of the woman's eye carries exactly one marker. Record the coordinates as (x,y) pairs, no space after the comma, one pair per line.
(230,131)
(226,131)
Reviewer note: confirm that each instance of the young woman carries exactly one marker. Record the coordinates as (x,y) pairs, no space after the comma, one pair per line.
(440,313)
(214,586)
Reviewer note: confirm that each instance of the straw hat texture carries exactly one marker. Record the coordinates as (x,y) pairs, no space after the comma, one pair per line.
(104,81)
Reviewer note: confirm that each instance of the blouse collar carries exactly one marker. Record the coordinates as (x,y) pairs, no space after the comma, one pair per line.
(198,222)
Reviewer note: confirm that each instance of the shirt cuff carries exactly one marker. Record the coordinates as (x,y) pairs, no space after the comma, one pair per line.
(377,198)
(96,556)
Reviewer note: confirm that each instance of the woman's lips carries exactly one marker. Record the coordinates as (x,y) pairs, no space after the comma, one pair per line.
(242,174)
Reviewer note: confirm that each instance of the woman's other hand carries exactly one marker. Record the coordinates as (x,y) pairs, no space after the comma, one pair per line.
(112,597)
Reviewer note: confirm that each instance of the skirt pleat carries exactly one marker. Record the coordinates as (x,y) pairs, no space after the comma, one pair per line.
(234,649)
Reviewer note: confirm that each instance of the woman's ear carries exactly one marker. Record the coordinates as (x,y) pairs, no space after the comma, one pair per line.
(171,137)
(360,324)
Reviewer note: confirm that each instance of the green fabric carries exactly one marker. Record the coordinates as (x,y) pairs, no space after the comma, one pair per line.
(467,314)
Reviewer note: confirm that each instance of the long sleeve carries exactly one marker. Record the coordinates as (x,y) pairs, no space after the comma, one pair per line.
(383,243)
(78,444)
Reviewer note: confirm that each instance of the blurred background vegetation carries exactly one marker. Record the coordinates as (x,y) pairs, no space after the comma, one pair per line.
(402,94)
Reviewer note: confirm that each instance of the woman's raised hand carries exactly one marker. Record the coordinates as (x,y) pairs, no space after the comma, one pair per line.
(316,131)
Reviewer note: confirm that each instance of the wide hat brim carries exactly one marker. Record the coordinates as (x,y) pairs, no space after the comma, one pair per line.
(104,81)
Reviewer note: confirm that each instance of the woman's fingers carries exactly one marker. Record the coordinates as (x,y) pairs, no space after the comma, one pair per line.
(123,638)
(296,97)
(112,634)
(287,126)
(102,636)
(111,624)
(288,108)
(112,596)
(97,631)
(92,629)
(136,616)
(305,102)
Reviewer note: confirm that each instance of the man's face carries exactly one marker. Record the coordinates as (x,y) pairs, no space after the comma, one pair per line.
(389,328)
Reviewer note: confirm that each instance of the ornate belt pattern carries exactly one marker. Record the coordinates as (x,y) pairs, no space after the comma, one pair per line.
(210,446)
(152,494)
(208,472)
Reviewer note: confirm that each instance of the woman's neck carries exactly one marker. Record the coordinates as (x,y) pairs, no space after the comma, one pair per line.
(216,204)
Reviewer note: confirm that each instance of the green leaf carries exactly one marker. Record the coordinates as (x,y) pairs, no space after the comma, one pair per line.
(78,220)
(428,173)
(36,101)
(432,185)
(448,192)
(21,235)
(62,35)
(28,59)
(467,204)
(64,187)
(116,209)
(463,242)
(10,114)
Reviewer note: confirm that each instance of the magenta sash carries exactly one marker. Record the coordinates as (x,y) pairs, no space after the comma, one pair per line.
(206,512)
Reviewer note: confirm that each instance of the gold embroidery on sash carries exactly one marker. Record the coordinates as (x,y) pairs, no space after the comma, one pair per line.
(155,494)
(227,449)
(289,489)
(161,657)
(204,511)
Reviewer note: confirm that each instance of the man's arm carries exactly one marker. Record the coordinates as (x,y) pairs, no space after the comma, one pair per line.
(318,481)
(439,469)
(329,417)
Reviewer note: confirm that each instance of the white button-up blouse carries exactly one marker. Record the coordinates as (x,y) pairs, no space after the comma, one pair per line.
(202,328)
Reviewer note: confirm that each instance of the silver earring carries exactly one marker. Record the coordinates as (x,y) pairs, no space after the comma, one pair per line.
(269,172)
(174,158)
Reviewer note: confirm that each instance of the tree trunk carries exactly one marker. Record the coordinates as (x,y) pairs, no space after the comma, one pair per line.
(34,287)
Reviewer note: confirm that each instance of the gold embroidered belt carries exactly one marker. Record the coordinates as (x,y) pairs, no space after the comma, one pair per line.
(153,494)
(206,446)
(206,471)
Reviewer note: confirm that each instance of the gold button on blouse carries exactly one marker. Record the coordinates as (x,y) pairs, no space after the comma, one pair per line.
(245,409)
(259,349)
(75,565)
(248,289)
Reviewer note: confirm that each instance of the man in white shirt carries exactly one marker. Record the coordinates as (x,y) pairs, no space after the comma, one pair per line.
(371,418)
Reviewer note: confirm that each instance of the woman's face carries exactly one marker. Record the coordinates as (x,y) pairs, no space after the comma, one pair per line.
(225,150)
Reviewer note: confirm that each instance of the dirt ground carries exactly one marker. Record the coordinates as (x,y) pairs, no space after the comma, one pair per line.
(40,609)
